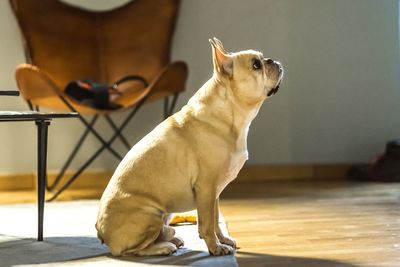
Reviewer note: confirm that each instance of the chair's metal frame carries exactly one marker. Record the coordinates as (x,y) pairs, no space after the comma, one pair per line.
(105,144)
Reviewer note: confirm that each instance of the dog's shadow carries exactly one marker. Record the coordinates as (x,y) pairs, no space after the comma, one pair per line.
(200,258)
(81,250)
(183,257)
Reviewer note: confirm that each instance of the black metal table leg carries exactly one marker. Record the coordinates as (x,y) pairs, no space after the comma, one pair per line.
(42,127)
(42,120)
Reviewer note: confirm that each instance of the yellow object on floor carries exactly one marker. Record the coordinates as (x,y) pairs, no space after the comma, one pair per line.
(185,217)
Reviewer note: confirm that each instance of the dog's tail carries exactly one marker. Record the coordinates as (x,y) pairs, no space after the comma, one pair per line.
(101,239)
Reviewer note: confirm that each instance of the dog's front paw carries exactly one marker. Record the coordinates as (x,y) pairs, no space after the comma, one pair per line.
(227,240)
(221,250)
(177,241)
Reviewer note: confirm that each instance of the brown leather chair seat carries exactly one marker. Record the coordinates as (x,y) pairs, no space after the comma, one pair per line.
(64,43)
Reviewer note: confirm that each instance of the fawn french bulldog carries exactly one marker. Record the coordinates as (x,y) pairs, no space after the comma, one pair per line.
(187,160)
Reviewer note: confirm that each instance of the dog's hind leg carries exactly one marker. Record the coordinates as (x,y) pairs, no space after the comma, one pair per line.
(131,232)
(163,245)
(156,237)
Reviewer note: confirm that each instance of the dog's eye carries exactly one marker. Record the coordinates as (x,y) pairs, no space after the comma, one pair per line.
(257,64)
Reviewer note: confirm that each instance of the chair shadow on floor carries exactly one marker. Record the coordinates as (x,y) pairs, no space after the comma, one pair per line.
(17,251)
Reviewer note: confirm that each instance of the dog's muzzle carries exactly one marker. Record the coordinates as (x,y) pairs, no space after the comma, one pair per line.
(273,90)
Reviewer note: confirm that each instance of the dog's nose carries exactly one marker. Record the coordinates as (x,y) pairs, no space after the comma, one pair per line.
(269,61)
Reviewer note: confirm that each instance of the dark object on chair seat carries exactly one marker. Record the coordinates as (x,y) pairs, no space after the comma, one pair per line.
(99,95)
(96,95)
(385,168)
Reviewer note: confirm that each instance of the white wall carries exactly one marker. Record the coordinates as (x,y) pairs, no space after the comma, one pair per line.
(338,102)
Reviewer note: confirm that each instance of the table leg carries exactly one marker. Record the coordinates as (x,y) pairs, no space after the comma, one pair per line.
(42,127)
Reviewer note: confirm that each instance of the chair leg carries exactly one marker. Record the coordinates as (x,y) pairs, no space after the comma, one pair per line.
(30,105)
(100,138)
(173,104)
(76,174)
(168,109)
(98,152)
(115,128)
(71,156)
(91,129)
(42,127)
(166,105)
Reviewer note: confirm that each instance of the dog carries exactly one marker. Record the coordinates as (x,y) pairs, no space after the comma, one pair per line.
(186,161)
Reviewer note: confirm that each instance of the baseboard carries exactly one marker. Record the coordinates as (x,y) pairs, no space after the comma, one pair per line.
(88,179)
(12,182)
(250,173)
(290,172)
(27,181)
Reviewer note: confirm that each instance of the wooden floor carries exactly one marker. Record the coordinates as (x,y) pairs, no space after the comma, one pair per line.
(302,223)
(315,224)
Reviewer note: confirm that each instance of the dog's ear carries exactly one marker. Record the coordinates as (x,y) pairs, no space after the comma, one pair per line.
(223,62)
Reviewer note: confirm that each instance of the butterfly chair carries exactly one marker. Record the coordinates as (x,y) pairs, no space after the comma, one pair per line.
(65,43)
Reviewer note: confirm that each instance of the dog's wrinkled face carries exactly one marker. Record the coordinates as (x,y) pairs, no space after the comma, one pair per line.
(252,76)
